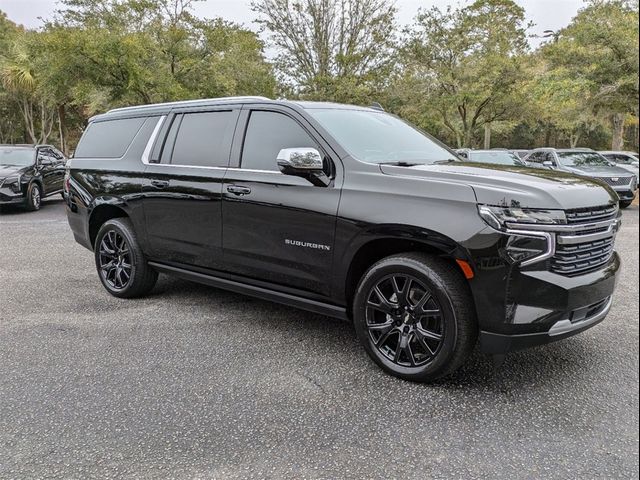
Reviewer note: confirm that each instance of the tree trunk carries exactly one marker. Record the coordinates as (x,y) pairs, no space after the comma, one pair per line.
(61,132)
(618,131)
(487,136)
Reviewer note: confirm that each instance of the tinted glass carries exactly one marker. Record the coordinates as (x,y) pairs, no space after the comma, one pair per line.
(202,139)
(496,157)
(109,139)
(17,156)
(377,137)
(578,159)
(267,134)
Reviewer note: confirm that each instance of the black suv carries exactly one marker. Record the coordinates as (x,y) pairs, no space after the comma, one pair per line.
(348,212)
(28,173)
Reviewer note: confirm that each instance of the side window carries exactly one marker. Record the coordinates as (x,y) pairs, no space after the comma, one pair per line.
(108,139)
(267,134)
(203,139)
(534,157)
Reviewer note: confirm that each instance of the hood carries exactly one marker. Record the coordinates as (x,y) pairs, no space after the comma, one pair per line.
(598,170)
(515,186)
(9,170)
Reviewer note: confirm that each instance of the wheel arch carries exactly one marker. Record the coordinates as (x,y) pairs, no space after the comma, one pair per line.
(377,246)
(102,212)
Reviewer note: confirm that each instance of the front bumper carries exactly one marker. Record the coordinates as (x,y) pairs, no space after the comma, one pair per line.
(496,343)
(519,306)
(7,197)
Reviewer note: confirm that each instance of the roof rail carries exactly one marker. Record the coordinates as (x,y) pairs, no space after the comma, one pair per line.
(186,103)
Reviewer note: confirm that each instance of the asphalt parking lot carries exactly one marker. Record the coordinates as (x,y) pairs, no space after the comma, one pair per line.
(195,382)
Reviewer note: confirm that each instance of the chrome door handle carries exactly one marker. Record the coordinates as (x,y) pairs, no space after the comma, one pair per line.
(238,190)
(160,183)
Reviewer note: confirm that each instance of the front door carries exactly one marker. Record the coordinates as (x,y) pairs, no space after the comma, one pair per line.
(278,228)
(182,191)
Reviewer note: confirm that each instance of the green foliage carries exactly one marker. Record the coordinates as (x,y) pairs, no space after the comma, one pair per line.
(466,65)
(462,73)
(340,50)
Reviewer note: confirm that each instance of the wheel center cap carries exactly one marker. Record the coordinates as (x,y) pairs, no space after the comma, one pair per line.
(407,318)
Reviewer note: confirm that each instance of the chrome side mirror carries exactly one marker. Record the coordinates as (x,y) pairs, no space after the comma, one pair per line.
(300,159)
(548,164)
(303,162)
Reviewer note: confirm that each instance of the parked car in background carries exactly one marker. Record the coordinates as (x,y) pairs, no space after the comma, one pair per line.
(626,160)
(29,173)
(589,163)
(521,153)
(350,212)
(494,157)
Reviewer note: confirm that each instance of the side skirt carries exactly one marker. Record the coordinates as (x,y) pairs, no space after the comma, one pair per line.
(254,291)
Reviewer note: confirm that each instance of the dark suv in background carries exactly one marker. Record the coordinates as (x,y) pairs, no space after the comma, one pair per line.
(28,173)
(348,212)
(584,161)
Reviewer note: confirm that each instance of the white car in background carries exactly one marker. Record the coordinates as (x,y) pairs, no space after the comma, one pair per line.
(627,160)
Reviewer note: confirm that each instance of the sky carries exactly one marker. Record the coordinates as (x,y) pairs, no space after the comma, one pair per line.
(546,14)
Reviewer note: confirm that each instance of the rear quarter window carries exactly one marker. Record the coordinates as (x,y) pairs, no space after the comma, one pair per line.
(108,139)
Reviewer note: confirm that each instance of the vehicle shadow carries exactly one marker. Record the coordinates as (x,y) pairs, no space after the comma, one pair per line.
(549,364)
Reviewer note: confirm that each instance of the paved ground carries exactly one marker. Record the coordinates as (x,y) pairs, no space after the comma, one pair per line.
(195,382)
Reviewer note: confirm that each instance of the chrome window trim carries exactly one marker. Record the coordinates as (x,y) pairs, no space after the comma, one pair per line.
(152,140)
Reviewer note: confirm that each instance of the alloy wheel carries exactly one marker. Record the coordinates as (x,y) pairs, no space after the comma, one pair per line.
(115,260)
(404,320)
(35,197)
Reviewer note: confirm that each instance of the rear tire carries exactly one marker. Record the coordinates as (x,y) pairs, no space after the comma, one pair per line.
(34,197)
(625,203)
(121,265)
(425,326)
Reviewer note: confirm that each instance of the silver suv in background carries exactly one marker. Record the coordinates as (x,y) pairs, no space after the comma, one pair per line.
(588,163)
(626,160)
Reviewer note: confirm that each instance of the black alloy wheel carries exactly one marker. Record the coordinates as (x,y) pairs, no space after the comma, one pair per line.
(121,265)
(404,320)
(415,317)
(115,260)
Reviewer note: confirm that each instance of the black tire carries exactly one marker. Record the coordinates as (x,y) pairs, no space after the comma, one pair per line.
(34,197)
(448,313)
(625,203)
(120,263)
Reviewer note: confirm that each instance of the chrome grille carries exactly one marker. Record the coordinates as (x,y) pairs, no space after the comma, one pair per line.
(589,244)
(616,181)
(582,257)
(582,215)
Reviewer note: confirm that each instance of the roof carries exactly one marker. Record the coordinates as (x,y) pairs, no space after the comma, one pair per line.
(160,108)
(23,145)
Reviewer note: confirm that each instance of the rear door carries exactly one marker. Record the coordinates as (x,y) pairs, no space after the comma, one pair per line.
(183,186)
(51,168)
(279,228)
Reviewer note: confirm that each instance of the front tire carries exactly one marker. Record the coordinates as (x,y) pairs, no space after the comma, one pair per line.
(34,197)
(121,265)
(415,317)
(625,203)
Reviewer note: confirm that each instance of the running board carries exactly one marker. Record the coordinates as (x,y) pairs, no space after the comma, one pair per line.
(254,291)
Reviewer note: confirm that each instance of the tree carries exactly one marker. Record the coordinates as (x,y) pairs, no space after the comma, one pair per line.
(600,48)
(338,50)
(466,65)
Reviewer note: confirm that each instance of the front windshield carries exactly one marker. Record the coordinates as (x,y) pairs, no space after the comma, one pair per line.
(496,157)
(581,159)
(17,156)
(377,137)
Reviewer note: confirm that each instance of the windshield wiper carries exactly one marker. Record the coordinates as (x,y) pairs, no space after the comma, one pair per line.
(400,164)
(448,160)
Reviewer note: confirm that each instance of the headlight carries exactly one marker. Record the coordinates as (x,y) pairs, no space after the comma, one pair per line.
(502,217)
(12,182)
